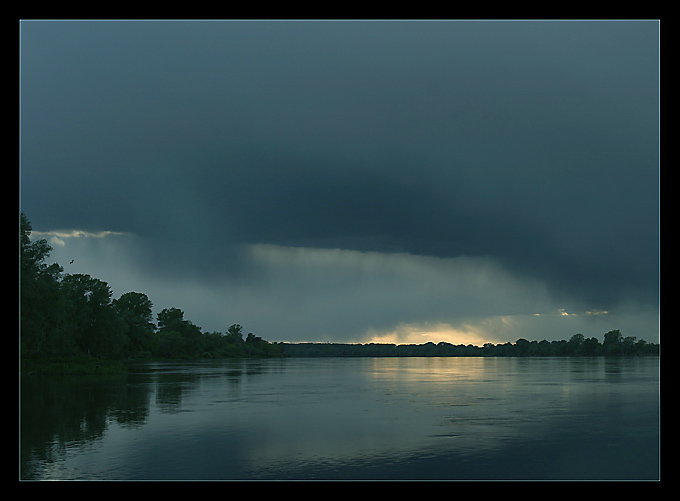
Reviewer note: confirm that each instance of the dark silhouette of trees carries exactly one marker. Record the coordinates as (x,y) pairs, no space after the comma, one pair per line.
(579,347)
(135,309)
(179,338)
(612,343)
(235,334)
(96,327)
(591,347)
(522,347)
(575,344)
(42,313)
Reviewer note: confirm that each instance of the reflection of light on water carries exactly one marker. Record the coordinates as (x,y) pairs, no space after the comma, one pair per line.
(482,403)
(462,407)
(428,368)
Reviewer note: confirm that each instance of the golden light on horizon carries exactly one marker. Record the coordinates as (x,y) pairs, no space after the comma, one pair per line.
(435,333)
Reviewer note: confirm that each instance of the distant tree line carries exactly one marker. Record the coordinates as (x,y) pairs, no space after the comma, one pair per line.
(66,316)
(578,346)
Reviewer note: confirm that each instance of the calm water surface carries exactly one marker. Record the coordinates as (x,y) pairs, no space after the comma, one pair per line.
(356,418)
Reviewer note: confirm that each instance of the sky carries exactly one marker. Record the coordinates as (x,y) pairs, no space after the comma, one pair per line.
(355,180)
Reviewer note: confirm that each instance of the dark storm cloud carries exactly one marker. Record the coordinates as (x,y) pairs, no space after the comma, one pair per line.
(535,143)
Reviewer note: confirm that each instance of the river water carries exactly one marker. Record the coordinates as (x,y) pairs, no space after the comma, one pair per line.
(348,419)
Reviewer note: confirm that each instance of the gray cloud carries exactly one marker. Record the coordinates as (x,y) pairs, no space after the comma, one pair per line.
(533,145)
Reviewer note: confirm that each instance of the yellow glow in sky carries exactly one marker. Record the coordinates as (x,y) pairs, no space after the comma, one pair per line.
(435,333)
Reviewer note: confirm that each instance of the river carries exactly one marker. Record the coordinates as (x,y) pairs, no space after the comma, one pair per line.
(348,419)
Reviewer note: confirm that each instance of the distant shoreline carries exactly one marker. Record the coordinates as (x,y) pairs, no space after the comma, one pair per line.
(580,347)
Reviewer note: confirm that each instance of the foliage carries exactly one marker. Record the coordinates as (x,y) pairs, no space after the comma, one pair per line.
(134,308)
(521,348)
(42,312)
(95,325)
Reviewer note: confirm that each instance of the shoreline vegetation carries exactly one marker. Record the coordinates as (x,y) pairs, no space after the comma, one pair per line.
(578,346)
(70,325)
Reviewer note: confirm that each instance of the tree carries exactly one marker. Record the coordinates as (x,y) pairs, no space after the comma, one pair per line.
(591,347)
(628,345)
(32,254)
(522,347)
(42,312)
(171,344)
(178,336)
(544,348)
(97,328)
(576,343)
(612,342)
(213,344)
(641,347)
(252,338)
(235,334)
(170,318)
(134,308)
(560,348)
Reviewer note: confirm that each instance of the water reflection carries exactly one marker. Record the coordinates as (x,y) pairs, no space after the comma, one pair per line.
(347,418)
(57,414)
